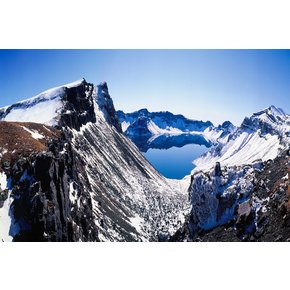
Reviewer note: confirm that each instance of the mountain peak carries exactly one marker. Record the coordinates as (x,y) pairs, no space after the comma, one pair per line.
(272,111)
(106,106)
(143,112)
(69,105)
(276,111)
(103,88)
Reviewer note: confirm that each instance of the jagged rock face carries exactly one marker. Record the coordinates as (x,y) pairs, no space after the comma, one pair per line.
(89,182)
(263,216)
(215,195)
(227,128)
(268,121)
(41,191)
(78,106)
(40,186)
(131,201)
(139,129)
(106,105)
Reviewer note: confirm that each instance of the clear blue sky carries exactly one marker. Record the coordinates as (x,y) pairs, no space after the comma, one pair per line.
(214,85)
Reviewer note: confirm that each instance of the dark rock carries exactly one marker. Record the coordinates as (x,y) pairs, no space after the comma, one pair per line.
(218,170)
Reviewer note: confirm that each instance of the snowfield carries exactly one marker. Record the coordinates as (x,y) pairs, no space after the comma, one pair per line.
(43,108)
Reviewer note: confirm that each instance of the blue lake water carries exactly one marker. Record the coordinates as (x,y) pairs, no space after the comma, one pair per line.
(175,162)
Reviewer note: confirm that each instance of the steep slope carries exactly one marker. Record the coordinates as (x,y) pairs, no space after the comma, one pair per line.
(17,139)
(262,136)
(264,216)
(228,183)
(90,182)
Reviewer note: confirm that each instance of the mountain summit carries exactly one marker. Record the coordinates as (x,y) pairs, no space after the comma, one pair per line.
(79,178)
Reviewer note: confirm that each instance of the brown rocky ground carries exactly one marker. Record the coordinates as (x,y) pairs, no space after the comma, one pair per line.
(21,139)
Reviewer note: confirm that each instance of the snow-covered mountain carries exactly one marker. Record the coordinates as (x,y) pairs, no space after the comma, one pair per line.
(262,136)
(154,129)
(68,173)
(224,183)
(79,178)
(161,121)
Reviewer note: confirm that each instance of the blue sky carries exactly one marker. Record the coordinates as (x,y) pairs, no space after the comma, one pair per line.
(214,85)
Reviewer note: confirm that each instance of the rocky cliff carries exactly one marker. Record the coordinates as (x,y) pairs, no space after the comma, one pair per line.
(86,182)
(239,188)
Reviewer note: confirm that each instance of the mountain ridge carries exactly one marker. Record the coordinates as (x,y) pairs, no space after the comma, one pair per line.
(81,179)
(151,129)
(226,187)
(91,183)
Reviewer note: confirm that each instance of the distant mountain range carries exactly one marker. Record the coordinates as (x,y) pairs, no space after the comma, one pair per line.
(164,130)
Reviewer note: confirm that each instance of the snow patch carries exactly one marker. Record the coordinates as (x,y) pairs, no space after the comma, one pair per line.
(125,125)
(44,112)
(8,227)
(33,133)
(72,193)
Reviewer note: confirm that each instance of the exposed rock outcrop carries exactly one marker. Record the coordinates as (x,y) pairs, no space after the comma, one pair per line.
(87,181)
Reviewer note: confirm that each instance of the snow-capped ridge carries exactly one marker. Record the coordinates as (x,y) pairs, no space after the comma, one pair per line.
(50,93)
(261,136)
(43,108)
(272,110)
(144,127)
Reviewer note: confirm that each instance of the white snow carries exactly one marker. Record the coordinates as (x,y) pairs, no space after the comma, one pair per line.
(74,84)
(245,147)
(5,215)
(44,112)
(34,134)
(3,181)
(125,125)
(43,108)
(72,193)
(137,223)
(3,151)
